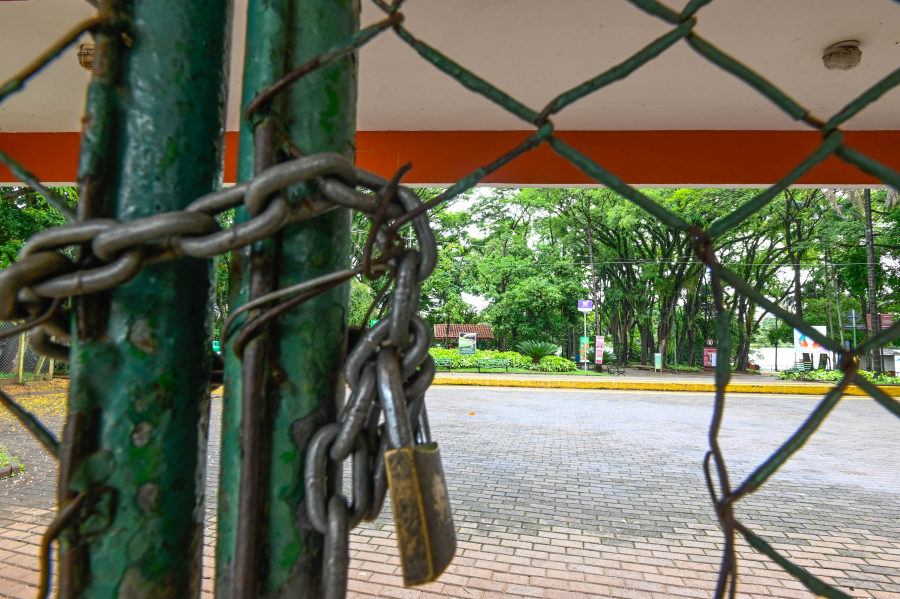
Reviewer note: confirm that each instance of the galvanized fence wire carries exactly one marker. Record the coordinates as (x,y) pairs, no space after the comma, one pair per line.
(120,249)
(11,354)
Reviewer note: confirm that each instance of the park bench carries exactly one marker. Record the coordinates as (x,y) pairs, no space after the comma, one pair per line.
(442,362)
(493,363)
(801,368)
(613,367)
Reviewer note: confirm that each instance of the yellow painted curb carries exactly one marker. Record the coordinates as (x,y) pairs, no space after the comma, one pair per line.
(649,386)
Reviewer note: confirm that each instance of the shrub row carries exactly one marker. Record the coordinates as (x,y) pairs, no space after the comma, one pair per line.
(516,360)
(833,376)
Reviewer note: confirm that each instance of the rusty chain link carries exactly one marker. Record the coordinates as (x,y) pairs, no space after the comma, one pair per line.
(120,249)
(35,285)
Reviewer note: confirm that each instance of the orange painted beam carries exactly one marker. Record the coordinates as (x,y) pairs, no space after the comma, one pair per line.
(739,158)
(53,157)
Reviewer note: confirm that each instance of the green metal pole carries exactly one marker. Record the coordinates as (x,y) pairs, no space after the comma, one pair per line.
(266,547)
(135,438)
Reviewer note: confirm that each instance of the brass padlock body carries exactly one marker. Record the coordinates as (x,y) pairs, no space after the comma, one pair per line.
(425,533)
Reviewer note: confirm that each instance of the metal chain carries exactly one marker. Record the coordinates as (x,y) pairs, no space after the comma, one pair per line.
(43,276)
(393,354)
(120,249)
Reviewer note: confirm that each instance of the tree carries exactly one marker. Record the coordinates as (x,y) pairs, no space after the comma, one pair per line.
(870,272)
(23,213)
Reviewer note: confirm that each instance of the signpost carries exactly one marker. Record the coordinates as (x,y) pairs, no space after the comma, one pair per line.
(709,355)
(853,317)
(657,362)
(598,349)
(585,306)
(468,343)
(886,321)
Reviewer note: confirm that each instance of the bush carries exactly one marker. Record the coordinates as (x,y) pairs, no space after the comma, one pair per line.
(833,376)
(684,368)
(537,350)
(516,360)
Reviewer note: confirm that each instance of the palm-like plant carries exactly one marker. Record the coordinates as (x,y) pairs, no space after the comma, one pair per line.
(537,349)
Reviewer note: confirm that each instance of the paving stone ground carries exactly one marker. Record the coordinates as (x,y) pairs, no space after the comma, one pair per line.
(578,494)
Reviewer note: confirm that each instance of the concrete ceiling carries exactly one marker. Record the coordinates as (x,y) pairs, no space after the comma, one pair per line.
(534,49)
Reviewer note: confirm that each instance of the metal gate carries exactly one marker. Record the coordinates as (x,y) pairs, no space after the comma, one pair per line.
(133,450)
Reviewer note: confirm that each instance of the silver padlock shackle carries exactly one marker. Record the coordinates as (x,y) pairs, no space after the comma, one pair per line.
(393,402)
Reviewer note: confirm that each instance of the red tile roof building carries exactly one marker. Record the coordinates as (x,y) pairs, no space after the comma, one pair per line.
(482,330)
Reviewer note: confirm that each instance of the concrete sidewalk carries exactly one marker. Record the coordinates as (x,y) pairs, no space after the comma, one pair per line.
(644,381)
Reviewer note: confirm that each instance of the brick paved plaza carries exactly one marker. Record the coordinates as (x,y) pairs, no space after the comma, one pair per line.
(595,493)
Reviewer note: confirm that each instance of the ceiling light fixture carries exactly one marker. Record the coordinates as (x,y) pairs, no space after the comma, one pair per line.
(842,56)
(86,56)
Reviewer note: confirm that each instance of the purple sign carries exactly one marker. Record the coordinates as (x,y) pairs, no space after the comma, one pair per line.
(585,305)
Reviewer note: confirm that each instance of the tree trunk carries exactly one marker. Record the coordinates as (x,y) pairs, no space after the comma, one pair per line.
(689,315)
(828,295)
(613,327)
(873,300)
(837,297)
(643,331)
(794,256)
(742,353)
(666,319)
(447,330)
(626,345)
(692,347)
(594,295)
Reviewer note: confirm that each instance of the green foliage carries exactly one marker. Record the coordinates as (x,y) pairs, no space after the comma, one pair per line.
(537,349)
(223,276)
(530,253)
(553,364)
(4,460)
(361,296)
(516,360)
(24,213)
(833,376)
(684,368)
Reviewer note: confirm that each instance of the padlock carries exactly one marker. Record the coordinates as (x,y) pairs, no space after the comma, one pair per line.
(426,536)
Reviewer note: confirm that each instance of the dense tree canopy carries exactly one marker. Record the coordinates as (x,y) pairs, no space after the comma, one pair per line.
(529,254)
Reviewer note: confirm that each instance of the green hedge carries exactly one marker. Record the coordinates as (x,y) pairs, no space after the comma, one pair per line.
(684,368)
(516,360)
(833,376)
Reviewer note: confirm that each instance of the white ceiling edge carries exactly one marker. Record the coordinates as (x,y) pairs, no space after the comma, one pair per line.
(533,50)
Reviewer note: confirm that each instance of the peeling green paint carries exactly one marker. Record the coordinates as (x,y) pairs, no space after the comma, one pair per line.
(317,114)
(138,397)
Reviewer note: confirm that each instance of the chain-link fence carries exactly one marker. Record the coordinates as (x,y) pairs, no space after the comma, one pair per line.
(18,359)
(120,251)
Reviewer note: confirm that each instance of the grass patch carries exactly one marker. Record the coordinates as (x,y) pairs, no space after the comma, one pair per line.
(4,460)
